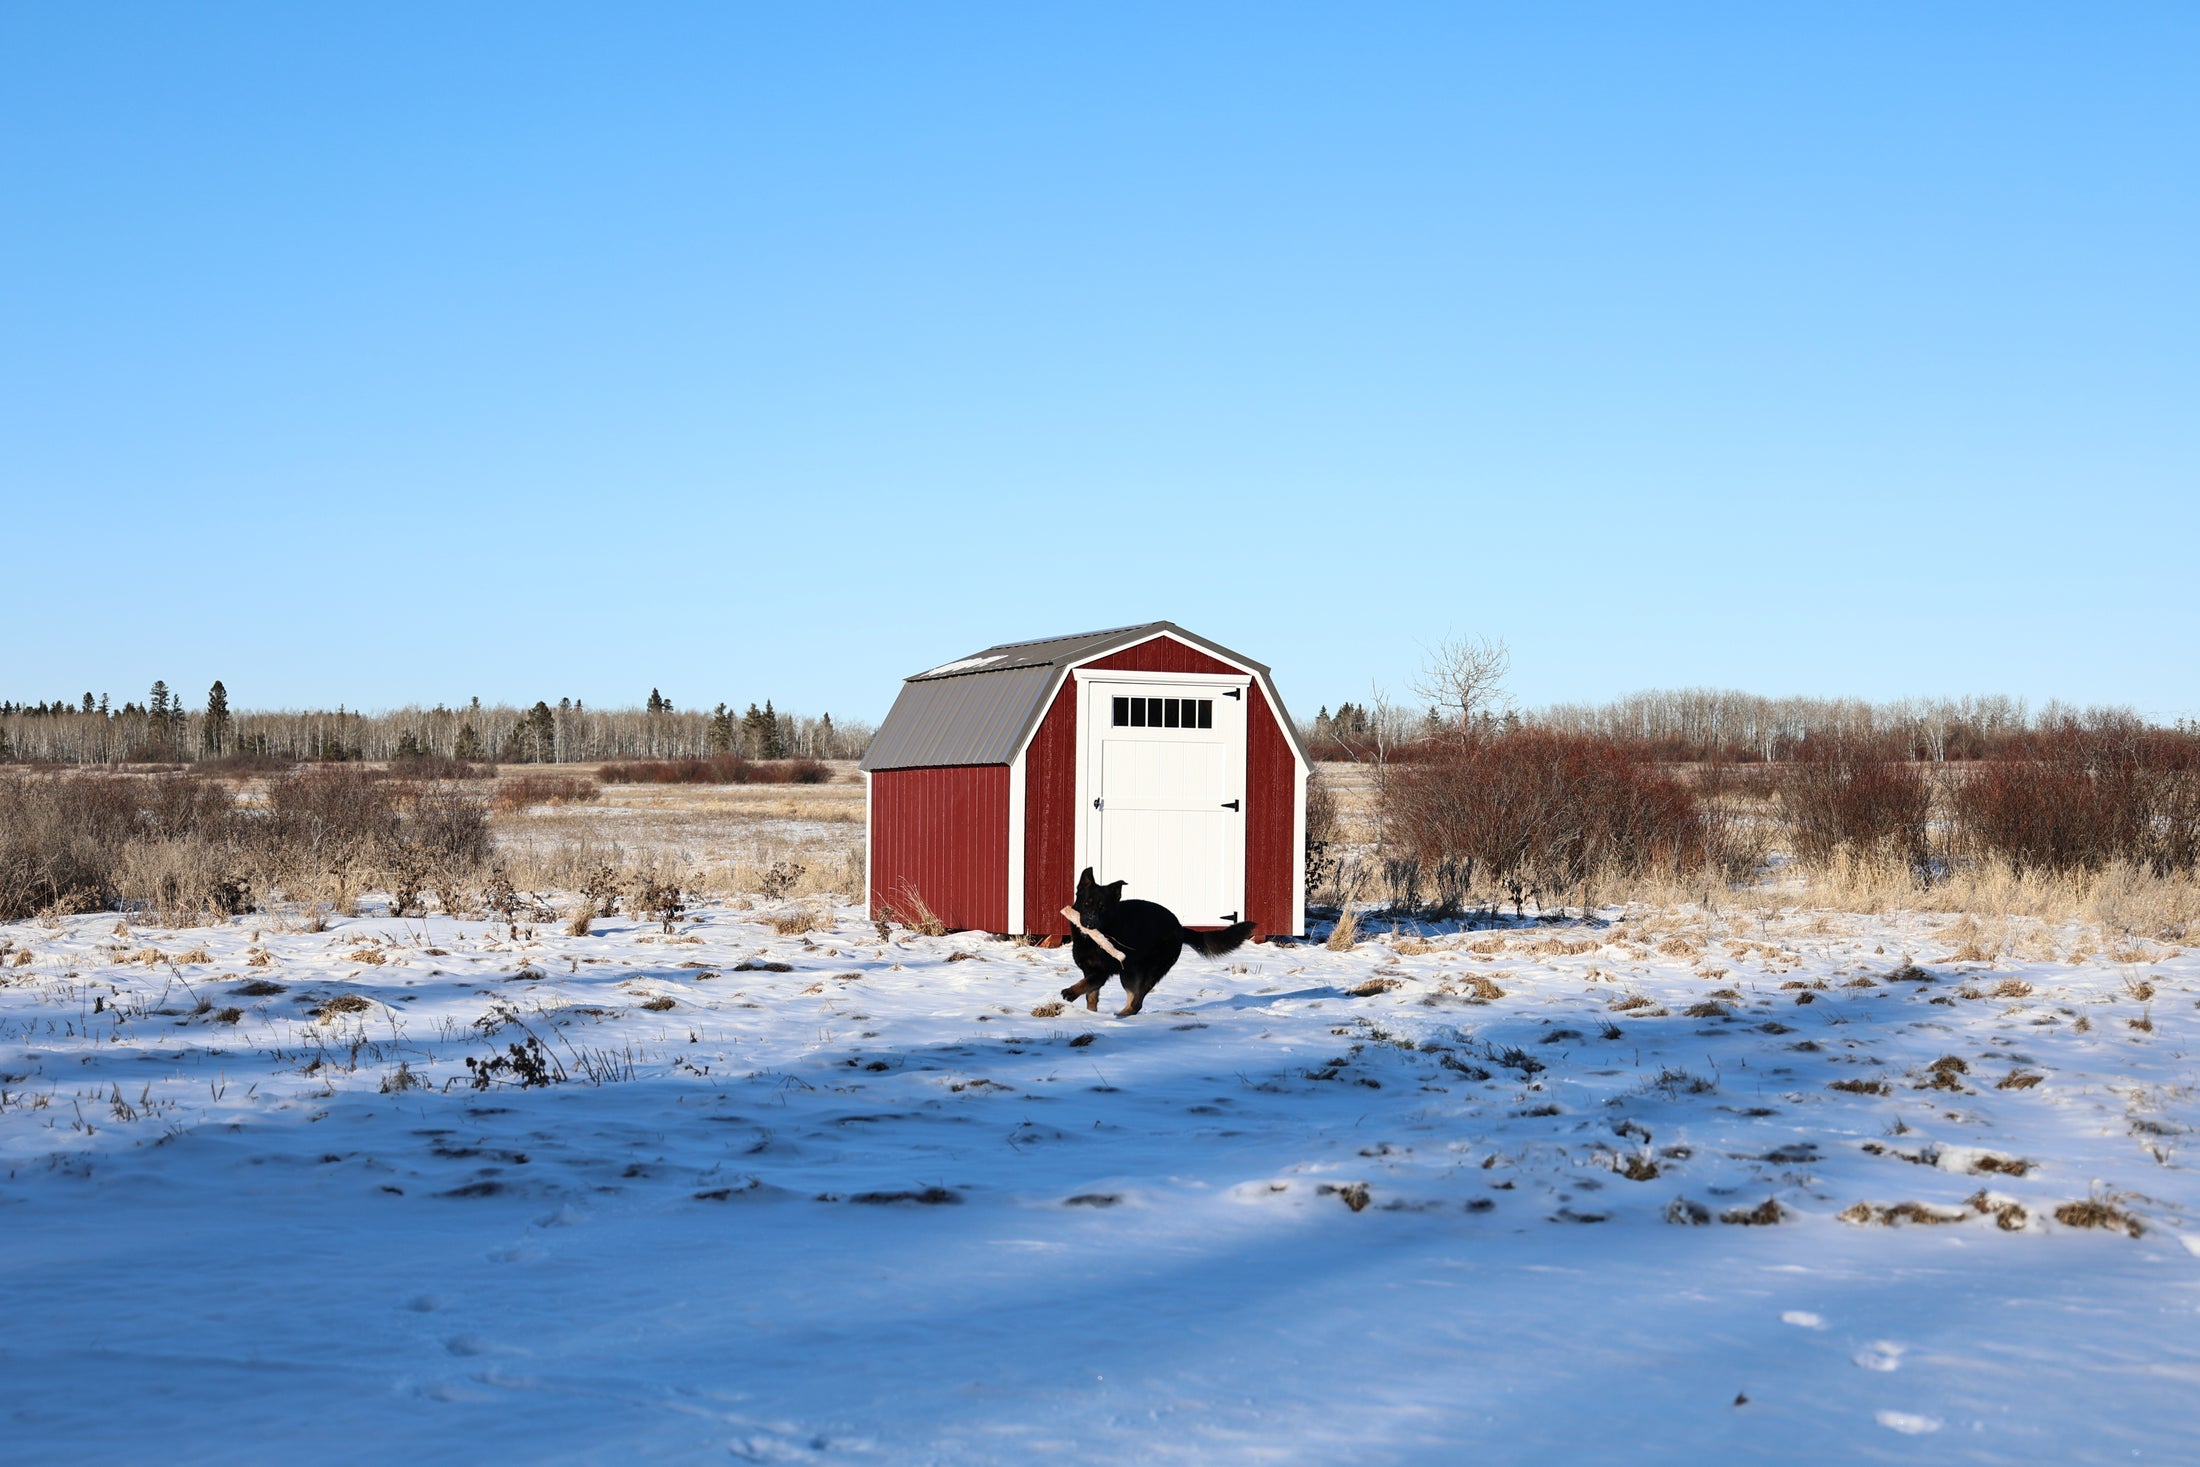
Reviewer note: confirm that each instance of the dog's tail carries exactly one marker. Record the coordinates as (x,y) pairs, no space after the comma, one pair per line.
(1215,944)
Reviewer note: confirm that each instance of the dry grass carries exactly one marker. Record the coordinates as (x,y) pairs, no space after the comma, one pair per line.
(2097,1212)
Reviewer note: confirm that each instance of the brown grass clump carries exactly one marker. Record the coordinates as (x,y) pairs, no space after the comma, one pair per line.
(197,954)
(800,920)
(1765,1214)
(2007,1213)
(2018,1080)
(258,988)
(1487,946)
(2012,988)
(660,1004)
(1708,1009)
(344,1003)
(1051,1009)
(1631,1001)
(373,957)
(2096,1213)
(2139,989)
(1346,932)
(1372,987)
(1481,987)
(1861,1087)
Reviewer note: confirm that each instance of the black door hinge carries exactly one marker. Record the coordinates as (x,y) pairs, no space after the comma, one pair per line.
(1098,803)
(1234,693)
(1229,804)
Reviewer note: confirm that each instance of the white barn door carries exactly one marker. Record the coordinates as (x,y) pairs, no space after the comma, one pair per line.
(1162,790)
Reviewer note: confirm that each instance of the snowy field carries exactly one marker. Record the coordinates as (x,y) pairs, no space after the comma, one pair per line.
(1672,1188)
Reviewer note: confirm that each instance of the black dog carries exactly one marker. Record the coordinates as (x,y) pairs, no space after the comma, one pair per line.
(1148,936)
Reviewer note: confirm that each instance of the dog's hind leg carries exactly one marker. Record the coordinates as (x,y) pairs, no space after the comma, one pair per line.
(1137,983)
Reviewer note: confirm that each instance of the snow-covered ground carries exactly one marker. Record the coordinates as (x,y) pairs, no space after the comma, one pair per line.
(888,1204)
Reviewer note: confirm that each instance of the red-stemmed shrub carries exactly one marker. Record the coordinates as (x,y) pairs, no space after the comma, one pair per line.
(1538,811)
(1858,793)
(717,769)
(2079,798)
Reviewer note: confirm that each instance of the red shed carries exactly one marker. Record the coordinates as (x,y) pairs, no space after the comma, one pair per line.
(1150,754)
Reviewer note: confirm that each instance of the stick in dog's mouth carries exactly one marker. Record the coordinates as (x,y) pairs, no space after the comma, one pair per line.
(1105,946)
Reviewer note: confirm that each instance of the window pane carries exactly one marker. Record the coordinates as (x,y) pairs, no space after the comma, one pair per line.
(1153,713)
(1138,712)
(1172,710)
(1206,713)
(1122,712)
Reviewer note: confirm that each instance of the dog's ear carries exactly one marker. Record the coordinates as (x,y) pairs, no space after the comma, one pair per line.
(1114,890)
(1084,883)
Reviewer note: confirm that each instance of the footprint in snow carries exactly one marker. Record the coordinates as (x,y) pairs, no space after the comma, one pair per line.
(1906,1423)
(1881,1355)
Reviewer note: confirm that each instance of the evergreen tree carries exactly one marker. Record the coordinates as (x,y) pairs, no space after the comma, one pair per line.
(656,701)
(721,731)
(214,734)
(775,734)
(826,747)
(160,720)
(468,744)
(87,702)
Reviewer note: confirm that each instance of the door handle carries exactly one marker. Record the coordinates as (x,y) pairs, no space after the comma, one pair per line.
(1098,803)
(1229,804)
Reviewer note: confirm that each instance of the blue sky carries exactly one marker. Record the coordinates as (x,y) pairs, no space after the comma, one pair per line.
(391,353)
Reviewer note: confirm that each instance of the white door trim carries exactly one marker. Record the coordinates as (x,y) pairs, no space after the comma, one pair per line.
(1088,727)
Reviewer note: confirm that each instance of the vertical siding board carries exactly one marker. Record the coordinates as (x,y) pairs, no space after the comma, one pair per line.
(1050,819)
(1271,815)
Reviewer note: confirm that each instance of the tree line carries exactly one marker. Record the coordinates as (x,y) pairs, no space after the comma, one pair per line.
(164,730)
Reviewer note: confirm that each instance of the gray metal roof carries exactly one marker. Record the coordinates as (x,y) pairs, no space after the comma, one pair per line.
(982,708)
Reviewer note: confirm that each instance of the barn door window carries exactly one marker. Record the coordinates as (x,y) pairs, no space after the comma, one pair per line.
(1164,713)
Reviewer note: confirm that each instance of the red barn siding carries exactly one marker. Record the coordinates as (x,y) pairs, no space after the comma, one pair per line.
(1271,818)
(1050,815)
(943,832)
(1162,654)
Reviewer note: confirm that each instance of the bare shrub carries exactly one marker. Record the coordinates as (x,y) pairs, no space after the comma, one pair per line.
(1856,793)
(717,769)
(1537,812)
(1324,830)
(545,789)
(2085,798)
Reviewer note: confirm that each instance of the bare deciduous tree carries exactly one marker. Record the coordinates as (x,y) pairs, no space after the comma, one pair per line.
(1463,679)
